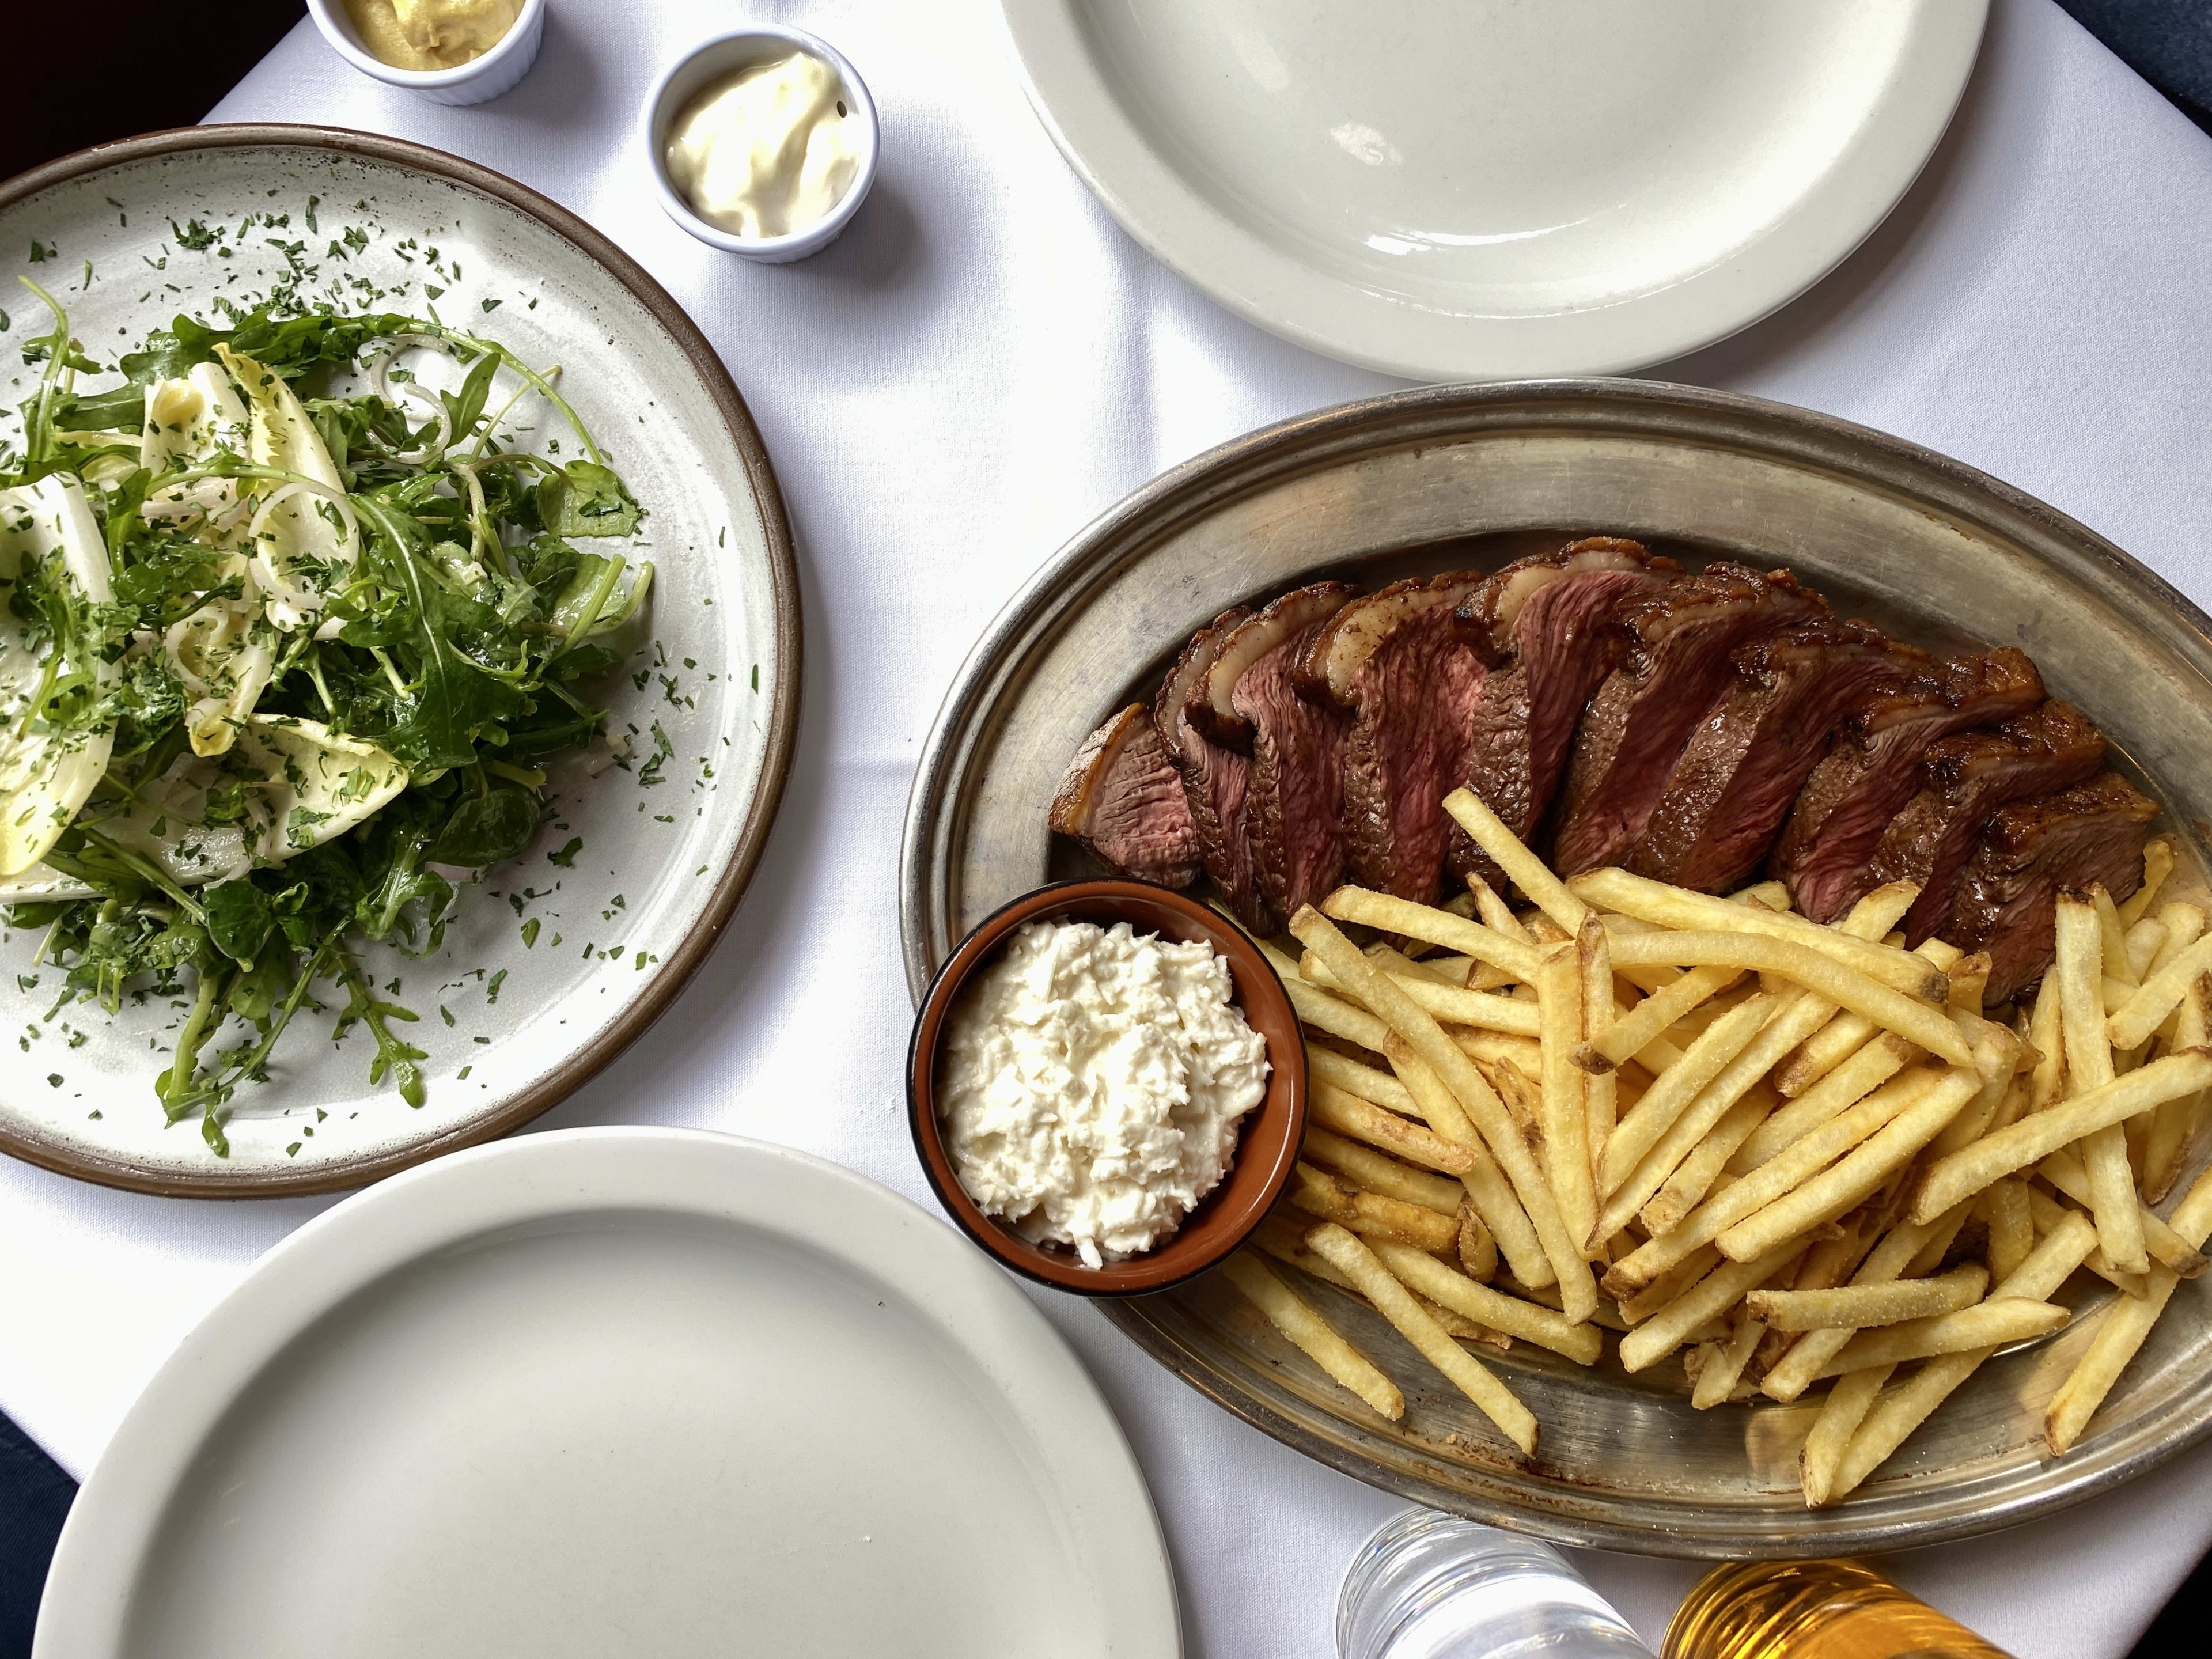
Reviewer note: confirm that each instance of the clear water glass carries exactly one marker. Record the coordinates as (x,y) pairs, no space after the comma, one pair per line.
(1432,1586)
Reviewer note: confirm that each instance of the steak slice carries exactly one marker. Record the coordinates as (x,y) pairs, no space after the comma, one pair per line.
(1216,778)
(1397,663)
(1676,643)
(2030,853)
(1826,851)
(1965,779)
(1746,762)
(1295,815)
(1543,625)
(1123,800)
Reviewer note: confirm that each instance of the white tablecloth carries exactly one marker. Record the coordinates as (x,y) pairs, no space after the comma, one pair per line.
(982,364)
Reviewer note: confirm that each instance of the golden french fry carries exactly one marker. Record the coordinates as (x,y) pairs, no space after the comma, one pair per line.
(1331,1107)
(1395,1304)
(2158,864)
(2111,933)
(1563,1110)
(1694,1177)
(2166,1149)
(1716,1380)
(1602,1088)
(2121,1330)
(2147,942)
(2011,1222)
(1841,1413)
(1453,1004)
(1968,981)
(1794,1372)
(1527,871)
(1842,1088)
(2050,1215)
(1862,1307)
(2079,967)
(1639,1305)
(2046,1035)
(1371,1213)
(1674,908)
(1771,1183)
(1312,1335)
(1658,1011)
(1423,921)
(1840,983)
(1857,1174)
(2065,1171)
(2158,996)
(1710,1296)
(1967,1171)
(1327,1065)
(1487,1188)
(1323,1013)
(1873,916)
(1985,1325)
(1478,1246)
(1457,1072)
(1379,1173)
(1495,913)
(1544,1326)
(1670,1095)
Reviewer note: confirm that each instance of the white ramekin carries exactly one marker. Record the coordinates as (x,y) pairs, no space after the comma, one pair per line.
(476,82)
(713,58)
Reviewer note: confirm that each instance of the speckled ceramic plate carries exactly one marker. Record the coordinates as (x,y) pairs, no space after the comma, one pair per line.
(127,234)
(1457,477)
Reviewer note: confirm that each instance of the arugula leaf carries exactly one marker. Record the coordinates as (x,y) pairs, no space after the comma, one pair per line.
(488,828)
(239,919)
(586,499)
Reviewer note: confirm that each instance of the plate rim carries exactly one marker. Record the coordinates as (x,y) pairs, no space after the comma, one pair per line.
(1121,168)
(821,1206)
(1125,532)
(639,1015)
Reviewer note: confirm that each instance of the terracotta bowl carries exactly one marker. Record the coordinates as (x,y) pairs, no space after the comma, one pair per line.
(1267,1144)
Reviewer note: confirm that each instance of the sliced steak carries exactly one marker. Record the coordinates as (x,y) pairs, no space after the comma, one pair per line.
(1216,778)
(1543,625)
(1826,854)
(1123,801)
(1676,643)
(1965,779)
(1746,762)
(2030,853)
(1395,662)
(1294,814)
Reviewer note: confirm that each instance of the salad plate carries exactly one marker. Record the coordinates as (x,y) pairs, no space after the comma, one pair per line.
(1478,189)
(616,1391)
(1473,477)
(554,959)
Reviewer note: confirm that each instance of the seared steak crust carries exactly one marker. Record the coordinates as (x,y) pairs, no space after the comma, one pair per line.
(1544,626)
(1123,801)
(2030,853)
(1410,684)
(1826,851)
(1216,779)
(1296,816)
(1747,760)
(1674,666)
(1965,779)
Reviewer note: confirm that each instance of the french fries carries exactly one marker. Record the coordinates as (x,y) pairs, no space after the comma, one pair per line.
(1769,1137)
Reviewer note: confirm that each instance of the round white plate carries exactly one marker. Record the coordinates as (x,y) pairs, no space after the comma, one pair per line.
(128,236)
(1484,189)
(616,1391)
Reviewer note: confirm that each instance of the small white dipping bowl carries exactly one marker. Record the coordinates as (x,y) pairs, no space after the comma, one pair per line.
(476,82)
(709,62)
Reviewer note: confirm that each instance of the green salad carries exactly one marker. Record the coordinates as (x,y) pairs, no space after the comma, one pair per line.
(275,660)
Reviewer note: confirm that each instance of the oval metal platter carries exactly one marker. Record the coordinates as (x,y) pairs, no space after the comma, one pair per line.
(129,235)
(1472,475)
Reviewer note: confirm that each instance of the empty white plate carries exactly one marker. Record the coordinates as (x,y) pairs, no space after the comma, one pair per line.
(1484,189)
(616,1391)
